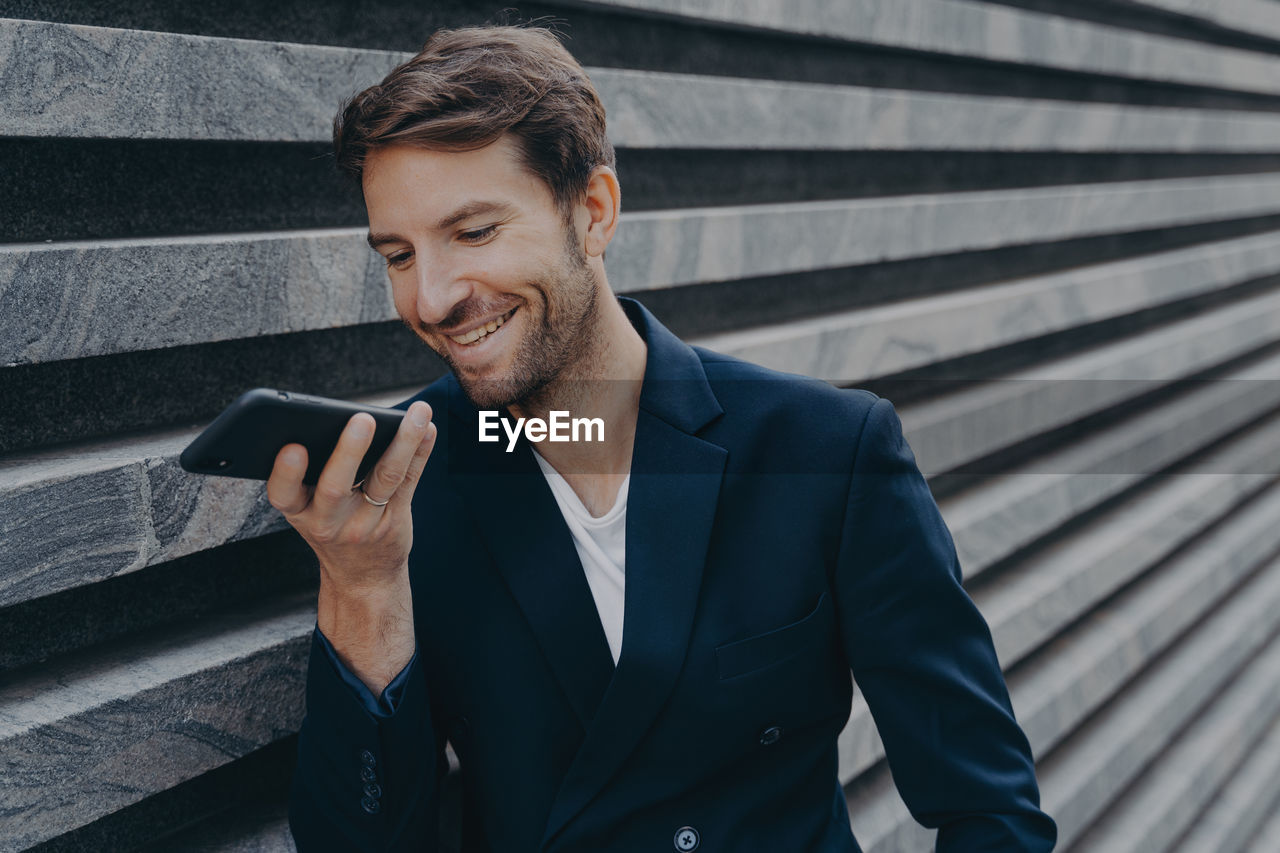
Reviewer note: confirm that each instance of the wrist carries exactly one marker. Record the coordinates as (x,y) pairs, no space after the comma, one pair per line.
(370,628)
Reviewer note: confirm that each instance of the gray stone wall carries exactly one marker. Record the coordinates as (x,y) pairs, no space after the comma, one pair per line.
(1048,230)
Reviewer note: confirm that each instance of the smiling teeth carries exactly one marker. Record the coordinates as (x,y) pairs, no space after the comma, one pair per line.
(482,331)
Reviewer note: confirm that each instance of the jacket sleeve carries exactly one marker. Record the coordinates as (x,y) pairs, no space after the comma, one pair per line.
(365,782)
(923,657)
(383,705)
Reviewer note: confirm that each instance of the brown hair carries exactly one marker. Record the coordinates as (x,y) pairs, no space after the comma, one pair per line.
(469,86)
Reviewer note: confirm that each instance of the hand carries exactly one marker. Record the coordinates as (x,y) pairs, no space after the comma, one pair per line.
(359,545)
(365,607)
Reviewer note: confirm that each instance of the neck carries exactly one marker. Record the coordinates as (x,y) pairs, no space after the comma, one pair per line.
(605,384)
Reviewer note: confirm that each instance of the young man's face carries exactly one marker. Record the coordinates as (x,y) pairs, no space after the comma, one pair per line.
(483,267)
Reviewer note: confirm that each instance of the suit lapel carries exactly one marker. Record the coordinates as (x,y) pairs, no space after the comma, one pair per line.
(526,535)
(675,485)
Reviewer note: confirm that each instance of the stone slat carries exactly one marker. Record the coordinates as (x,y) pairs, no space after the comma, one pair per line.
(966,425)
(1173,789)
(869,343)
(1027,607)
(213,88)
(664,110)
(97,82)
(998,33)
(1257,17)
(74,300)
(1242,803)
(1096,764)
(1265,839)
(85,737)
(1001,514)
(1059,686)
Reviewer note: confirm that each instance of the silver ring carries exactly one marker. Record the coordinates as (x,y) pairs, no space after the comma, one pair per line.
(365,495)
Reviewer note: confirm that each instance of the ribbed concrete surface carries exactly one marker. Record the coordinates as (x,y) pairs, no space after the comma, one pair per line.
(1103,432)
(998,33)
(235,89)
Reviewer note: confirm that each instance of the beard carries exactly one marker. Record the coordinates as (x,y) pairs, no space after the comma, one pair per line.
(557,339)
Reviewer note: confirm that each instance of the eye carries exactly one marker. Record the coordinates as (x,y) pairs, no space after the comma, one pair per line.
(399,259)
(479,235)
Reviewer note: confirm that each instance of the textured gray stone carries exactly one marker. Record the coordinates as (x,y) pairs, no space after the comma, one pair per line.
(75,81)
(74,516)
(1054,587)
(1091,662)
(858,345)
(84,738)
(1260,17)
(1242,804)
(1265,839)
(986,31)
(211,88)
(1172,791)
(74,300)
(993,519)
(675,247)
(1103,757)
(662,110)
(69,529)
(960,427)
(62,301)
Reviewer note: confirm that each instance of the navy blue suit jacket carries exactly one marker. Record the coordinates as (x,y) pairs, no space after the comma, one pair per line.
(779,535)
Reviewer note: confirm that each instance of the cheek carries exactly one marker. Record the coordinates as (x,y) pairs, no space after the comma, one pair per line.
(515,256)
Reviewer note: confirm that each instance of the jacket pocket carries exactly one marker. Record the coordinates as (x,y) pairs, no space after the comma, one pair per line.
(743,656)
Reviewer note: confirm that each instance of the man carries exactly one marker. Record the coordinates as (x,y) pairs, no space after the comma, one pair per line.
(637,643)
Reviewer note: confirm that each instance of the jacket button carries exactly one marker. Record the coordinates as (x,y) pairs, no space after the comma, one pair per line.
(686,839)
(367,757)
(370,805)
(368,774)
(770,736)
(373,790)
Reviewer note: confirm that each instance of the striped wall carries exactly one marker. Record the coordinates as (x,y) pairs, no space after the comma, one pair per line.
(1048,230)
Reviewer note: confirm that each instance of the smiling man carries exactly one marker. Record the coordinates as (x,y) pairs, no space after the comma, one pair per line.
(640,643)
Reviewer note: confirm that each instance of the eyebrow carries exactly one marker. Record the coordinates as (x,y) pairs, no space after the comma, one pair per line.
(468,210)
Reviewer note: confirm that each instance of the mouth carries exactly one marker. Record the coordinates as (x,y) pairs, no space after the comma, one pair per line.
(479,333)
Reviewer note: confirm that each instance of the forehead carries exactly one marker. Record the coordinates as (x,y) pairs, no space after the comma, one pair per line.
(404,179)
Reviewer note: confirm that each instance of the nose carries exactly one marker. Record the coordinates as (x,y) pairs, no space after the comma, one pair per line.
(440,289)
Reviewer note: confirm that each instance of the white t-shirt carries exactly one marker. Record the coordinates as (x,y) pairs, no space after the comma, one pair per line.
(602,548)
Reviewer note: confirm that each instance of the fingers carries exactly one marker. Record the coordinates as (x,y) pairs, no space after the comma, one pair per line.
(339,474)
(401,465)
(285,489)
(385,479)
(404,494)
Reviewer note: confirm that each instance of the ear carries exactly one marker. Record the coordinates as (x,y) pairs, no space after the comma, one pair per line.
(599,210)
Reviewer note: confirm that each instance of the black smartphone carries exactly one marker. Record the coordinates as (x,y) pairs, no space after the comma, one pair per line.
(243,441)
